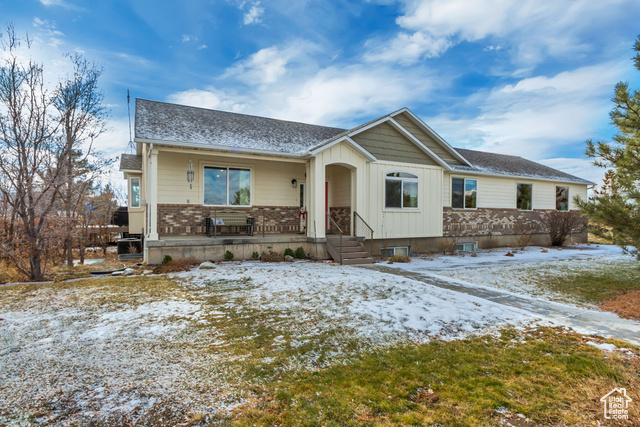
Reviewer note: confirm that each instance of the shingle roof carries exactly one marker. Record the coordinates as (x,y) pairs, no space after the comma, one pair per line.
(130,162)
(179,123)
(174,123)
(503,164)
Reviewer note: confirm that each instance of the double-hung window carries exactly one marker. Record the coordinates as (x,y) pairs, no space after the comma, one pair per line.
(464,193)
(226,186)
(401,190)
(134,192)
(524,197)
(562,198)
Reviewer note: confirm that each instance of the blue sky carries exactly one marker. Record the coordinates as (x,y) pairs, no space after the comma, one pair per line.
(523,77)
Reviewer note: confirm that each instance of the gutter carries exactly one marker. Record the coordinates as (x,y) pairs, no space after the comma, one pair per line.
(148,194)
(223,148)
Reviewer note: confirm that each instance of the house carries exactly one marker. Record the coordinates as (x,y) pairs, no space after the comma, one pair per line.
(616,404)
(393,183)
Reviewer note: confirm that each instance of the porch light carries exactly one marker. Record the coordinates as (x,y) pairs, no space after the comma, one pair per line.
(294,182)
(191,174)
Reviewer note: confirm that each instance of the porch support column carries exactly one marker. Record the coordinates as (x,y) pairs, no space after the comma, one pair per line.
(153,196)
(316,224)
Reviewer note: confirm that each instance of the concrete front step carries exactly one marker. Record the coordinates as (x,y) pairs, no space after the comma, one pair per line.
(357,261)
(351,255)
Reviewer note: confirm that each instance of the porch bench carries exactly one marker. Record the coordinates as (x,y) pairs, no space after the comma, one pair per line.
(220,219)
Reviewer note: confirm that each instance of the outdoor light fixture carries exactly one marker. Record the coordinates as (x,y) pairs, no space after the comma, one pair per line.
(191,174)
(294,183)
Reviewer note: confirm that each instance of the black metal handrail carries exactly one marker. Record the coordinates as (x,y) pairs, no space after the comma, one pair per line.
(332,223)
(362,230)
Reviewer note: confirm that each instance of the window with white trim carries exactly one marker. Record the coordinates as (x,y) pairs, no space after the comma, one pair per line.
(227,186)
(134,192)
(524,197)
(562,198)
(401,190)
(464,193)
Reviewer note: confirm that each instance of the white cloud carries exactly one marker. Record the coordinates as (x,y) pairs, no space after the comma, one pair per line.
(202,46)
(210,98)
(540,116)
(268,65)
(533,29)
(407,48)
(186,38)
(254,15)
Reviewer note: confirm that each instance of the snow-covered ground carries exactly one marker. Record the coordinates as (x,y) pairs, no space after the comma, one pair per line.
(519,274)
(87,351)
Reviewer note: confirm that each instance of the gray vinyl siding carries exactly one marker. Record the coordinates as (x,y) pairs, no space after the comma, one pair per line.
(427,140)
(386,143)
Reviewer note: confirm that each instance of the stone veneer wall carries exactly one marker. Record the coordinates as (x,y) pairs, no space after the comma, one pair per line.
(188,220)
(342,217)
(495,222)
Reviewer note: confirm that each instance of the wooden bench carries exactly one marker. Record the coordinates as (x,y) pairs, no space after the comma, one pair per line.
(228,220)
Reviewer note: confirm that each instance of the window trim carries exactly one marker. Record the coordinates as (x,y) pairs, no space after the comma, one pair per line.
(227,205)
(524,183)
(464,186)
(568,198)
(384,185)
(131,192)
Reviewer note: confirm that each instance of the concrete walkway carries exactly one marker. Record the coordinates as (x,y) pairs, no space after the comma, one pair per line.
(583,320)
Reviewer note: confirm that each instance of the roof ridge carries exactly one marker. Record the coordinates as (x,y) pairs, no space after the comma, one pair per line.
(240,114)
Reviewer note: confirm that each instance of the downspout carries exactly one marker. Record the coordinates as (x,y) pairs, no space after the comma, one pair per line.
(148,194)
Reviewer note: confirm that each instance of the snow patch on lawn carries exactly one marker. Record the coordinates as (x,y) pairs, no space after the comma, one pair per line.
(372,305)
(517,275)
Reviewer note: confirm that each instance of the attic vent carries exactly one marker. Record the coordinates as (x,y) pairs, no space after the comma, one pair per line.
(467,247)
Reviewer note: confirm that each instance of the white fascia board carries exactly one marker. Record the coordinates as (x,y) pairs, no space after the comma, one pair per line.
(520,177)
(131,170)
(420,145)
(223,148)
(433,134)
(367,155)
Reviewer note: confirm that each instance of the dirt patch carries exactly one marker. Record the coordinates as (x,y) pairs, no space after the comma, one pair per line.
(626,305)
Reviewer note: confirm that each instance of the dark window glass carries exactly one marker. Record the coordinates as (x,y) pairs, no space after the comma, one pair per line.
(524,200)
(239,187)
(410,194)
(470,193)
(393,193)
(562,198)
(457,190)
(215,186)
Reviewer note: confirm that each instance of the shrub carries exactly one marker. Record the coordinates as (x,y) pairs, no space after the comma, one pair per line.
(289,252)
(399,258)
(173,266)
(228,256)
(272,256)
(167,259)
(255,255)
(525,234)
(300,254)
(560,225)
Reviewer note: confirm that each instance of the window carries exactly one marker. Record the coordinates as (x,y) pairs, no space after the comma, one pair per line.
(464,193)
(227,186)
(395,250)
(562,198)
(524,198)
(401,190)
(134,192)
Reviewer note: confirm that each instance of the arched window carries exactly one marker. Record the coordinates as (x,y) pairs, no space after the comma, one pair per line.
(401,190)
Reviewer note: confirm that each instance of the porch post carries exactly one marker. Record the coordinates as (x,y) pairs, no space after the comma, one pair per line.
(153,196)
(315,185)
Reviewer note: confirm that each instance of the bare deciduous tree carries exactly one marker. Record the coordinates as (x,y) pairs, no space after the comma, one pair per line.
(30,178)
